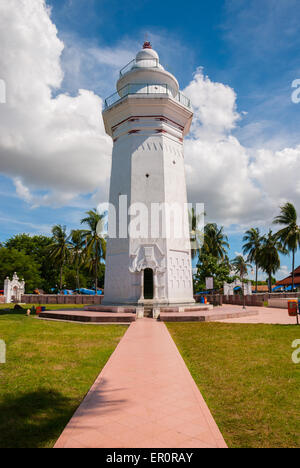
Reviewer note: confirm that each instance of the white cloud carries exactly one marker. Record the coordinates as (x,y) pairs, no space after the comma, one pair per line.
(56,144)
(217,165)
(214,105)
(55,148)
(277,173)
(283,272)
(87,65)
(22,191)
(238,185)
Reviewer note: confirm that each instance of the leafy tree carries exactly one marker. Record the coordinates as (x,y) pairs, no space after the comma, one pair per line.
(12,260)
(71,277)
(252,245)
(37,247)
(290,234)
(59,249)
(269,259)
(210,266)
(95,245)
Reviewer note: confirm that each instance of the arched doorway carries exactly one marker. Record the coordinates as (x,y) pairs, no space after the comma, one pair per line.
(148,283)
(15,293)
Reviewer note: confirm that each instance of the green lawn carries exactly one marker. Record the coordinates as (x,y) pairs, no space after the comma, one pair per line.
(247,377)
(50,367)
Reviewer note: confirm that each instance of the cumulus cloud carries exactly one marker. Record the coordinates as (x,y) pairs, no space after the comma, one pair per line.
(54,143)
(277,173)
(217,165)
(284,271)
(238,185)
(214,106)
(54,147)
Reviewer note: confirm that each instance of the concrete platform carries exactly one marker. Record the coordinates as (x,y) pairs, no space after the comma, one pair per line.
(117,309)
(105,314)
(206,315)
(267,315)
(88,317)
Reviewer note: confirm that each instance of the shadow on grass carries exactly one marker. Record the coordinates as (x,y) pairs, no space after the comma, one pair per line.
(34,419)
(12,312)
(16,310)
(37,419)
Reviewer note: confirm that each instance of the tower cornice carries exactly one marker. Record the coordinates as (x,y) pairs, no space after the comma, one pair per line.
(132,106)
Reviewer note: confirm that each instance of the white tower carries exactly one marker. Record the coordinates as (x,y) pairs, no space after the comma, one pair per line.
(147,119)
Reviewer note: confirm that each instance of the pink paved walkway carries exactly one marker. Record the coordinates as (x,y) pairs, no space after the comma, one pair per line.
(265,315)
(144,397)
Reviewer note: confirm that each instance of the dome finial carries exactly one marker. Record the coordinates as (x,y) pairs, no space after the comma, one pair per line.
(147,45)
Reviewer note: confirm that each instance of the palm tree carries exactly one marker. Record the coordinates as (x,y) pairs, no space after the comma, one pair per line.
(59,248)
(215,241)
(77,246)
(95,245)
(290,234)
(196,235)
(269,259)
(253,240)
(240,266)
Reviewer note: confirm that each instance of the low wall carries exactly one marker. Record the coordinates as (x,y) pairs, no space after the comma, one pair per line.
(60,299)
(219,299)
(250,301)
(280,303)
(255,300)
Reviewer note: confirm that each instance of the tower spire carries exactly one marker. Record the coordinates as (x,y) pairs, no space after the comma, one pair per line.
(147,45)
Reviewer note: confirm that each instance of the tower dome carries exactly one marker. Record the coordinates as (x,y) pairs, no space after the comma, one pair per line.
(145,69)
(147,53)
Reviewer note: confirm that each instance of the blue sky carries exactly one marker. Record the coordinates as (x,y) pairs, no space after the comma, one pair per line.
(252,47)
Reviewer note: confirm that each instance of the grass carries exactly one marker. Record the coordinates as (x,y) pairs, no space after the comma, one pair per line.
(50,367)
(247,377)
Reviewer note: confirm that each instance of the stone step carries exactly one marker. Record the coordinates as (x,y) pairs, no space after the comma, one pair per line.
(182,309)
(148,312)
(204,317)
(86,317)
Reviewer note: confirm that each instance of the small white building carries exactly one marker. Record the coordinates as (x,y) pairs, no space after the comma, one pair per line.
(13,289)
(229,288)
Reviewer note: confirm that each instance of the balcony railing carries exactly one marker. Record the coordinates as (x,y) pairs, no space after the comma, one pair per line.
(146,89)
(147,63)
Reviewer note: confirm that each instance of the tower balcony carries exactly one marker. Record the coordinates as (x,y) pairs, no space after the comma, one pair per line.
(141,63)
(149,90)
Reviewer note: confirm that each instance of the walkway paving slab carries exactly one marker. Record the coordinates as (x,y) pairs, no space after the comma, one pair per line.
(144,397)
